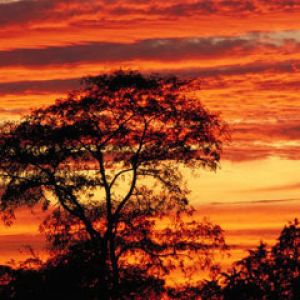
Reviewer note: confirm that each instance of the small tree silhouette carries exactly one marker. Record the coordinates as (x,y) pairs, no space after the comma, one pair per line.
(266,273)
(110,155)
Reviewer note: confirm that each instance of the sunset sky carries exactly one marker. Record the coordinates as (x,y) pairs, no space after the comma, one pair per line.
(246,54)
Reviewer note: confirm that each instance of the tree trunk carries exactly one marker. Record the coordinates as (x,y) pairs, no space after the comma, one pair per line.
(103,282)
(114,264)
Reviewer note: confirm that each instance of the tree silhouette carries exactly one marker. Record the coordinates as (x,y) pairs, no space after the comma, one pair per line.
(110,156)
(266,273)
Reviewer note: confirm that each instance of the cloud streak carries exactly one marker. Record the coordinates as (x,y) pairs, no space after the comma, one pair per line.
(154,49)
(38,86)
(27,11)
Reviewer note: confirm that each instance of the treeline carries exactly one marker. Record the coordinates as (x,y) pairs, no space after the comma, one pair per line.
(269,273)
(265,273)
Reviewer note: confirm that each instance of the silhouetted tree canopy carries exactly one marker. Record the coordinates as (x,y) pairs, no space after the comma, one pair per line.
(110,156)
(266,273)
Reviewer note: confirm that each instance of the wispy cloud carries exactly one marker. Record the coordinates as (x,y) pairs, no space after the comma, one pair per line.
(263,201)
(284,187)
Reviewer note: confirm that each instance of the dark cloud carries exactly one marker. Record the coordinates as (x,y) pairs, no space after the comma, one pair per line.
(38,86)
(243,69)
(283,130)
(172,49)
(32,11)
(25,11)
(28,11)
(241,153)
(207,7)
(292,85)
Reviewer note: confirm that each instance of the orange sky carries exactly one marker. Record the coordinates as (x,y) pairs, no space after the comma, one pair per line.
(246,54)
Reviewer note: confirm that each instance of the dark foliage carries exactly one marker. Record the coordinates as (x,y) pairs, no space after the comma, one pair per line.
(109,156)
(265,274)
(74,276)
